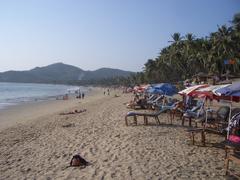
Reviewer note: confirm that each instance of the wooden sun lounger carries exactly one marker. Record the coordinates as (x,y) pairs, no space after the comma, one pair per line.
(146,115)
(203,131)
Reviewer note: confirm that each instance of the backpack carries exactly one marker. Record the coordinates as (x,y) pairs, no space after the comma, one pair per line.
(77,160)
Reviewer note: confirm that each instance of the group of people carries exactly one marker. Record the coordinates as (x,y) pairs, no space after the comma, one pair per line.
(80,95)
(153,102)
(108,92)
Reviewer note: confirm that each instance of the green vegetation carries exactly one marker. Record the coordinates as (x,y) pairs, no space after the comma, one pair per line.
(188,55)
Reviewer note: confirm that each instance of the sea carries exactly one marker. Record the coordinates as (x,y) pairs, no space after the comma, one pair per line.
(17,93)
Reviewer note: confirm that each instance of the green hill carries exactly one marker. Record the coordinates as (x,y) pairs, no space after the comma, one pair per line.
(60,73)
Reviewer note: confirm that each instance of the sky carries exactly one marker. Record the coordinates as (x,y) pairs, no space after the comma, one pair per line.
(92,34)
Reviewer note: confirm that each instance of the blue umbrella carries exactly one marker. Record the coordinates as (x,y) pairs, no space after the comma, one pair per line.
(154,90)
(163,88)
(231,90)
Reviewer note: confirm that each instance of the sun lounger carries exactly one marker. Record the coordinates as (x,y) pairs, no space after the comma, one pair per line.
(218,121)
(145,103)
(216,124)
(146,115)
(196,112)
(155,100)
(177,111)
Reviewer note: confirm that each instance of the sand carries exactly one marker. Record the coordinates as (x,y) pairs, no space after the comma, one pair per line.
(42,146)
(19,114)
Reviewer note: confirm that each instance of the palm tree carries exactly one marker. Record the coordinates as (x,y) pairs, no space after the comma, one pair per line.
(187,56)
(176,38)
(222,46)
(150,70)
(236,21)
(190,37)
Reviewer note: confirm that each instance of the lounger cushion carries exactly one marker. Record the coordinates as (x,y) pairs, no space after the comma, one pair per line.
(131,113)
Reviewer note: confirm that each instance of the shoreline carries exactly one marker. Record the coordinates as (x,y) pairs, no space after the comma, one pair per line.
(14,94)
(27,111)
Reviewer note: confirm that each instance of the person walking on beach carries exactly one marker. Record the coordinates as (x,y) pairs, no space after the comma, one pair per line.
(79,94)
(108,92)
(83,95)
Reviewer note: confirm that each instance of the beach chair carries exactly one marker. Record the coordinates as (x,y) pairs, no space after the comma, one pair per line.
(150,104)
(216,123)
(196,112)
(235,111)
(177,111)
(157,102)
(146,115)
(163,101)
(143,103)
(152,97)
(232,145)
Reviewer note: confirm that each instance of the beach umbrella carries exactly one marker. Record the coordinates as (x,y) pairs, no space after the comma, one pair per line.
(141,88)
(208,92)
(190,90)
(137,89)
(163,88)
(230,92)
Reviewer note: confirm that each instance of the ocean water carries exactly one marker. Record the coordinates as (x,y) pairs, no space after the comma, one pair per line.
(16,93)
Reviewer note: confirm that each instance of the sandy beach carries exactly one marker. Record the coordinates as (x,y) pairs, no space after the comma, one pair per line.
(40,144)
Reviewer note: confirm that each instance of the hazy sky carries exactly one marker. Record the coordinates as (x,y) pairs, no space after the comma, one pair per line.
(92,34)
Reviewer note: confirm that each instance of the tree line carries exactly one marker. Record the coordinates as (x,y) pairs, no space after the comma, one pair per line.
(188,55)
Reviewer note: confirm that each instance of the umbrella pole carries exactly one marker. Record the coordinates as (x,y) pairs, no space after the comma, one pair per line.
(206,114)
(229,119)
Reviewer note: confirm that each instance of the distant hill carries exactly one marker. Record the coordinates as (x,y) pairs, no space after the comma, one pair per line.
(60,73)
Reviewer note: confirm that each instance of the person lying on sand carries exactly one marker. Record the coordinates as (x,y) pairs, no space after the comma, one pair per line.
(74,112)
(137,102)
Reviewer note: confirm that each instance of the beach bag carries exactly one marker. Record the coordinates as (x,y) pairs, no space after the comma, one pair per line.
(77,160)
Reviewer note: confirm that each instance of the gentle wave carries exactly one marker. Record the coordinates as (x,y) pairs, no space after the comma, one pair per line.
(15,93)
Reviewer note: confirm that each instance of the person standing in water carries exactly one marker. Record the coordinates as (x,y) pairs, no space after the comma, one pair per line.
(79,94)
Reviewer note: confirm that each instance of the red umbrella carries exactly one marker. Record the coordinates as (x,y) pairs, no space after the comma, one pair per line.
(208,92)
(189,91)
